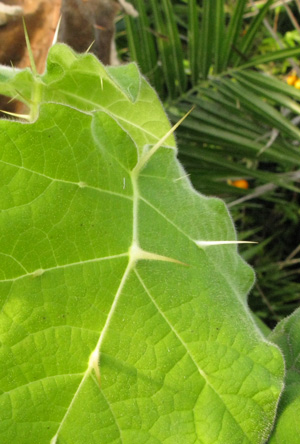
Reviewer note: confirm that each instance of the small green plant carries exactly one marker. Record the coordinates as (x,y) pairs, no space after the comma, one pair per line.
(123,297)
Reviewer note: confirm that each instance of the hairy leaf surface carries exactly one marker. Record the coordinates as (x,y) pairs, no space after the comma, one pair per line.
(287,336)
(118,324)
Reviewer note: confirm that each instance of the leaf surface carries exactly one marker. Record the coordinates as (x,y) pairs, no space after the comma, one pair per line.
(117,326)
(287,336)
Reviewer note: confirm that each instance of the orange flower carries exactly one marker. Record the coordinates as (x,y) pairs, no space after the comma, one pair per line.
(292,79)
(297,84)
(240,183)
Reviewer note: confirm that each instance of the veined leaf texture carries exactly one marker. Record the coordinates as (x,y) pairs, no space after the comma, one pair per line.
(122,319)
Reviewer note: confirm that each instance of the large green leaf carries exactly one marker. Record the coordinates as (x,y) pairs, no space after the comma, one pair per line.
(287,336)
(119,323)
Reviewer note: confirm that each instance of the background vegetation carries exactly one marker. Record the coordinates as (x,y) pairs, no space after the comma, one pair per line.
(231,59)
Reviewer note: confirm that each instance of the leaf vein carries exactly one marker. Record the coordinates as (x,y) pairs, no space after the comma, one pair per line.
(42,271)
(97,348)
(39,380)
(69,182)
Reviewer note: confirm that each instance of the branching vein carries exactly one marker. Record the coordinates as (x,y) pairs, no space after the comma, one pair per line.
(41,271)
(96,353)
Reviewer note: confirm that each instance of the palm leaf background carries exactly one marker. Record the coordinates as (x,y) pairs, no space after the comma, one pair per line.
(204,53)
